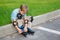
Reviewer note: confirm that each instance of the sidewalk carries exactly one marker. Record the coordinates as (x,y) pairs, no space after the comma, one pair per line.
(42,32)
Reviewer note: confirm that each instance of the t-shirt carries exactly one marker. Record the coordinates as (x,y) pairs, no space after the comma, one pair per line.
(14,15)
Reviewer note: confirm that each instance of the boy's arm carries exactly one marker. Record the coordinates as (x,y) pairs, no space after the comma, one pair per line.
(14,20)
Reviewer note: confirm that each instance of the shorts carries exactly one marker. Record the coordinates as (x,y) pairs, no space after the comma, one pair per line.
(22,28)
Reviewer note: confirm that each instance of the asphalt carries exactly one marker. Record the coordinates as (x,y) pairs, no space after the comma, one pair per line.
(52,24)
(39,34)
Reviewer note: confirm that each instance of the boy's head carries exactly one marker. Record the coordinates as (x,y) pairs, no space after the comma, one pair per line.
(24,8)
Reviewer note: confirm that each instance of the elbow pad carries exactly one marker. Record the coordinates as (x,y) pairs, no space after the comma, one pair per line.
(19,16)
(32,19)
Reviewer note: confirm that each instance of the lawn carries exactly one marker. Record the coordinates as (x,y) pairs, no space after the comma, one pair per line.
(36,7)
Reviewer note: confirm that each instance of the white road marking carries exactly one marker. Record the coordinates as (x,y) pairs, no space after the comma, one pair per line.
(48,30)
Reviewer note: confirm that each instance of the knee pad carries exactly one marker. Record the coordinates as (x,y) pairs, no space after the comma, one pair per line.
(15,23)
(26,21)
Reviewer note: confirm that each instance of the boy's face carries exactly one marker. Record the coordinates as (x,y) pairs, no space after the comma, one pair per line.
(25,10)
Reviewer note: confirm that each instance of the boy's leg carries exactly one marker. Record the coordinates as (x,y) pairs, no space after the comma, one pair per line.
(23,33)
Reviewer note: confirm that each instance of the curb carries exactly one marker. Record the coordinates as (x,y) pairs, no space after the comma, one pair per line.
(45,17)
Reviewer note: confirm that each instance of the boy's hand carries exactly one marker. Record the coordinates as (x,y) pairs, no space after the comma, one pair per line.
(19,30)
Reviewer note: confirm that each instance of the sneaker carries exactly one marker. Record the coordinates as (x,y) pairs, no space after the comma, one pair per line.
(31,32)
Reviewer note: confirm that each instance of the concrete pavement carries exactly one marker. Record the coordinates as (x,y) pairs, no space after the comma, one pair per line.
(47,27)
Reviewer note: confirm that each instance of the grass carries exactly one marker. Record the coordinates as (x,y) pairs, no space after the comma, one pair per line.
(36,7)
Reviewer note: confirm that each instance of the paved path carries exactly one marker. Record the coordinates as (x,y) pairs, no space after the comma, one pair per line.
(40,33)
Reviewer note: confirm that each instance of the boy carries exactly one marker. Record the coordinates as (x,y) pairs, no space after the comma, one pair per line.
(20,14)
